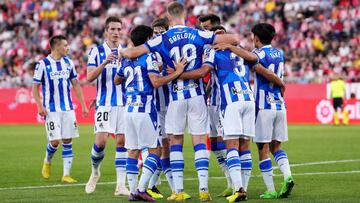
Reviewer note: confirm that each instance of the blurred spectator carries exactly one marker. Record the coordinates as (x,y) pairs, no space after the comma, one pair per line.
(318,37)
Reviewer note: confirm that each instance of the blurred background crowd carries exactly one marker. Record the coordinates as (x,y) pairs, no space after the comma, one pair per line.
(318,37)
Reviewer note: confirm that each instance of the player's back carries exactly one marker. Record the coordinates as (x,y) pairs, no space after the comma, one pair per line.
(268,95)
(138,87)
(232,73)
(181,41)
(55,77)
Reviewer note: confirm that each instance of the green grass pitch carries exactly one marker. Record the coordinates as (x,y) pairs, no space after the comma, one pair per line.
(326,167)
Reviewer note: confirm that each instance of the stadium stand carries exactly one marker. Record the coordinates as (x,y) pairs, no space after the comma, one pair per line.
(318,37)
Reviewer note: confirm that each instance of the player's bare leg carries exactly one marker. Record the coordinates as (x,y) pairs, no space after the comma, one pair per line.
(50,151)
(202,166)
(67,155)
(266,171)
(97,155)
(283,163)
(120,166)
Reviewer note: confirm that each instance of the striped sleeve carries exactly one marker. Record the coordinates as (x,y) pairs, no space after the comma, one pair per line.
(39,73)
(92,58)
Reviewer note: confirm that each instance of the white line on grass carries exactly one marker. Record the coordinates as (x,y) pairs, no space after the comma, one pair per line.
(186,179)
(322,163)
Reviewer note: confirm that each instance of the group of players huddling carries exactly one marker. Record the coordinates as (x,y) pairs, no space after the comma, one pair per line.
(149,93)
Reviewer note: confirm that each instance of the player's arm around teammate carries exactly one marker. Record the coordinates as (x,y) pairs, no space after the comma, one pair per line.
(141,76)
(55,73)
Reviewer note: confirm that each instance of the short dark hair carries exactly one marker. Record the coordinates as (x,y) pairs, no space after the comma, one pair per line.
(110,20)
(218,27)
(160,22)
(54,40)
(265,32)
(140,34)
(214,19)
(175,9)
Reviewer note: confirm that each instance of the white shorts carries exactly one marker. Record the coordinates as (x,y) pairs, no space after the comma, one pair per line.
(61,125)
(141,130)
(162,131)
(193,111)
(271,125)
(110,119)
(216,128)
(238,120)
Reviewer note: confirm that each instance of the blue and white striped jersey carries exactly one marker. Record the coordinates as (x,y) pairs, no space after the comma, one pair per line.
(232,73)
(138,87)
(215,91)
(161,93)
(108,94)
(268,95)
(181,41)
(55,78)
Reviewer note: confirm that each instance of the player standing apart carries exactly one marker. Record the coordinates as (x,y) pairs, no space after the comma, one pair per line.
(271,125)
(55,74)
(141,76)
(109,115)
(337,92)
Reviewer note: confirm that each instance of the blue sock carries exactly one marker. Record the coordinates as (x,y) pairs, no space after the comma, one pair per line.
(132,172)
(120,165)
(150,166)
(67,155)
(282,160)
(246,166)
(234,165)
(165,164)
(50,151)
(202,166)
(177,167)
(267,174)
(97,155)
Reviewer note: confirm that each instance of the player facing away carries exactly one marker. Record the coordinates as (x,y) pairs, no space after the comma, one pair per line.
(207,22)
(161,25)
(141,76)
(56,73)
(109,115)
(271,125)
(237,111)
(187,102)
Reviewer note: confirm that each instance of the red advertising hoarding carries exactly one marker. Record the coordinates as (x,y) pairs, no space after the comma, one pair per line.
(305,104)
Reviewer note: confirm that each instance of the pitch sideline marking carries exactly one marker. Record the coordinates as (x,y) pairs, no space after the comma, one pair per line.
(322,163)
(185,179)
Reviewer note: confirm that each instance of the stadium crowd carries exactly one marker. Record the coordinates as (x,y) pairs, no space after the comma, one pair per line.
(318,37)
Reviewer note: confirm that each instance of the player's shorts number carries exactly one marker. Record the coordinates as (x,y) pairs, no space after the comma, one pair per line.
(50,125)
(102,116)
